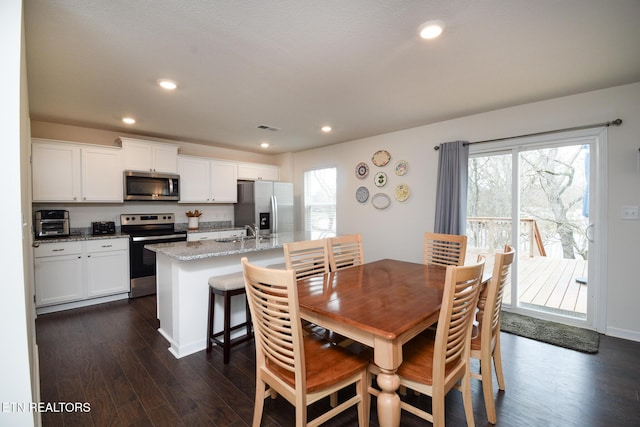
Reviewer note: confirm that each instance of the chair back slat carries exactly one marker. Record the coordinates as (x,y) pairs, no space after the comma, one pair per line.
(460,299)
(491,298)
(308,258)
(444,249)
(345,251)
(272,297)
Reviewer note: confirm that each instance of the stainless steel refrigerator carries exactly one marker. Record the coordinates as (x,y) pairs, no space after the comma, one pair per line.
(267,204)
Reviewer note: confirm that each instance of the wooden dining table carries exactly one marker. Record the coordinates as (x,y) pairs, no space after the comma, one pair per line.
(381,304)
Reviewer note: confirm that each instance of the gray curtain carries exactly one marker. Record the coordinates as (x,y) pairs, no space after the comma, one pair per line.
(451,195)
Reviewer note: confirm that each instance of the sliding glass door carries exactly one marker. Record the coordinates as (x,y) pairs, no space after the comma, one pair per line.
(542,196)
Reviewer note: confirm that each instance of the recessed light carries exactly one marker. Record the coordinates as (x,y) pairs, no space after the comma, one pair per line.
(431,29)
(326,129)
(167,84)
(129,120)
(264,145)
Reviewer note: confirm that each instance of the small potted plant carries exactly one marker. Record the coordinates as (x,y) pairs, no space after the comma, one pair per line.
(194,218)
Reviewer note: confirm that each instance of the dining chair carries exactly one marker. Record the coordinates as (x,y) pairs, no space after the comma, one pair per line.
(433,362)
(345,251)
(308,258)
(301,368)
(486,346)
(311,258)
(444,249)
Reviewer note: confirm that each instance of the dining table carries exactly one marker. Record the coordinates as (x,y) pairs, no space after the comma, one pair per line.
(381,304)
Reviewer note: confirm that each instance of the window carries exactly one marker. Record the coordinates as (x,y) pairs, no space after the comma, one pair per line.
(320,202)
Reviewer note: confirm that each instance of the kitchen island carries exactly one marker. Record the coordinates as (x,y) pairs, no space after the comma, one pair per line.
(183,270)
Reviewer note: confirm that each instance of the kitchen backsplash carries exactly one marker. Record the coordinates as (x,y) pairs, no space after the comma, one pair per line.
(81,215)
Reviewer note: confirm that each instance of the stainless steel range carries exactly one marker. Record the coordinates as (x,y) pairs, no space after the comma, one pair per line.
(145,229)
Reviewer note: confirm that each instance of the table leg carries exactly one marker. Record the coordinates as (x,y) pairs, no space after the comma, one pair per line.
(388,399)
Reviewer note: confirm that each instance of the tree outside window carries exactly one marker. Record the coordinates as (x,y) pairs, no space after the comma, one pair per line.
(320,202)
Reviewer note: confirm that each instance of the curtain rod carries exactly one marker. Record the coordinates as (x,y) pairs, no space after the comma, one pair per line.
(616,122)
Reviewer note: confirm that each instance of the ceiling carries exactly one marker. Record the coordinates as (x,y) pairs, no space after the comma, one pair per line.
(296,65)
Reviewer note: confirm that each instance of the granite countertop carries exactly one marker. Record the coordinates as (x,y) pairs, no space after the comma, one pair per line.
(188,251)
(78,236)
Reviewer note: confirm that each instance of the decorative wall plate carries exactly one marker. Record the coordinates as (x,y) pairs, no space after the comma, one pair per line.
(362,170)
(362,194)
(380,201)
(380,179)
(402,167)
(402,192)
(381,158)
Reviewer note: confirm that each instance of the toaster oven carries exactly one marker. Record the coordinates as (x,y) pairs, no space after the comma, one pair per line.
(51,223)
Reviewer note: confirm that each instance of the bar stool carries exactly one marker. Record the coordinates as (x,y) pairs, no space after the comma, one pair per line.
(227,286)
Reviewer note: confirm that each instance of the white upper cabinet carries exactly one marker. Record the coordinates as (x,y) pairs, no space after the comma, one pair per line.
(69,172)
(56,172)
(149,156)
(257,171)
(102,175)
(204,180)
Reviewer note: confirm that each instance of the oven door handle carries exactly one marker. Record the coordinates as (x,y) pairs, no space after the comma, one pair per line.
(152,238)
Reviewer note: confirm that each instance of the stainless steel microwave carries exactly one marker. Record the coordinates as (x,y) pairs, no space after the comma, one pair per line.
(151,186)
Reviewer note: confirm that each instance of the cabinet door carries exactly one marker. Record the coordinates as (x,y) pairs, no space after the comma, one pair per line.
(107,273)
(248,171)
(137,156)
(256,171)
(270,173)
(56,172)
(195,179)
(102,175)
(165,159)
(58,279)
(224,182)
(149,157)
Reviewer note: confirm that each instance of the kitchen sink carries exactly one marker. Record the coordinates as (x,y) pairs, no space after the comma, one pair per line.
(235,239)
(241,239)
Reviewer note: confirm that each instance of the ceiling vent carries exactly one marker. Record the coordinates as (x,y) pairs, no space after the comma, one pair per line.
(265,127)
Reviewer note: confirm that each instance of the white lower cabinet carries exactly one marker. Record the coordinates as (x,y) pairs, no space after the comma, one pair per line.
(107,263)
(79,272)
(58,273)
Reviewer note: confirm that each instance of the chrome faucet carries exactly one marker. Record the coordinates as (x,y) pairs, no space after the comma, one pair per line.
(253,230)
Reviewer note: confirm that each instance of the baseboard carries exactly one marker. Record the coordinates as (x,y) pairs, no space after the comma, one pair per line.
(78,304)
(624,334)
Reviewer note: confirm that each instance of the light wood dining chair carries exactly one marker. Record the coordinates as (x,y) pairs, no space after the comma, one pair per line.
(311,258)
(307,258)
(444,249)
(433,362)
(301,368)
(345,251)
(486,346)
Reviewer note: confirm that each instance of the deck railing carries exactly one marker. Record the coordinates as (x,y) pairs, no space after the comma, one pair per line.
(491,233)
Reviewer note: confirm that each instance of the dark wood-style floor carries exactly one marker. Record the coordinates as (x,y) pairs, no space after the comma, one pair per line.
(112,357)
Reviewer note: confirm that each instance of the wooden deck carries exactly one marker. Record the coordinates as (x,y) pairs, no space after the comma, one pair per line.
(549,284)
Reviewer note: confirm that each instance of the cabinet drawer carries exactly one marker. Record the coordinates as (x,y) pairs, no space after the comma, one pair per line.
(56,249)
(102,245)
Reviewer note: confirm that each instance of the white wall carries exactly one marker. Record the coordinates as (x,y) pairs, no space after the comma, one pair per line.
(397,232)
(16,314)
